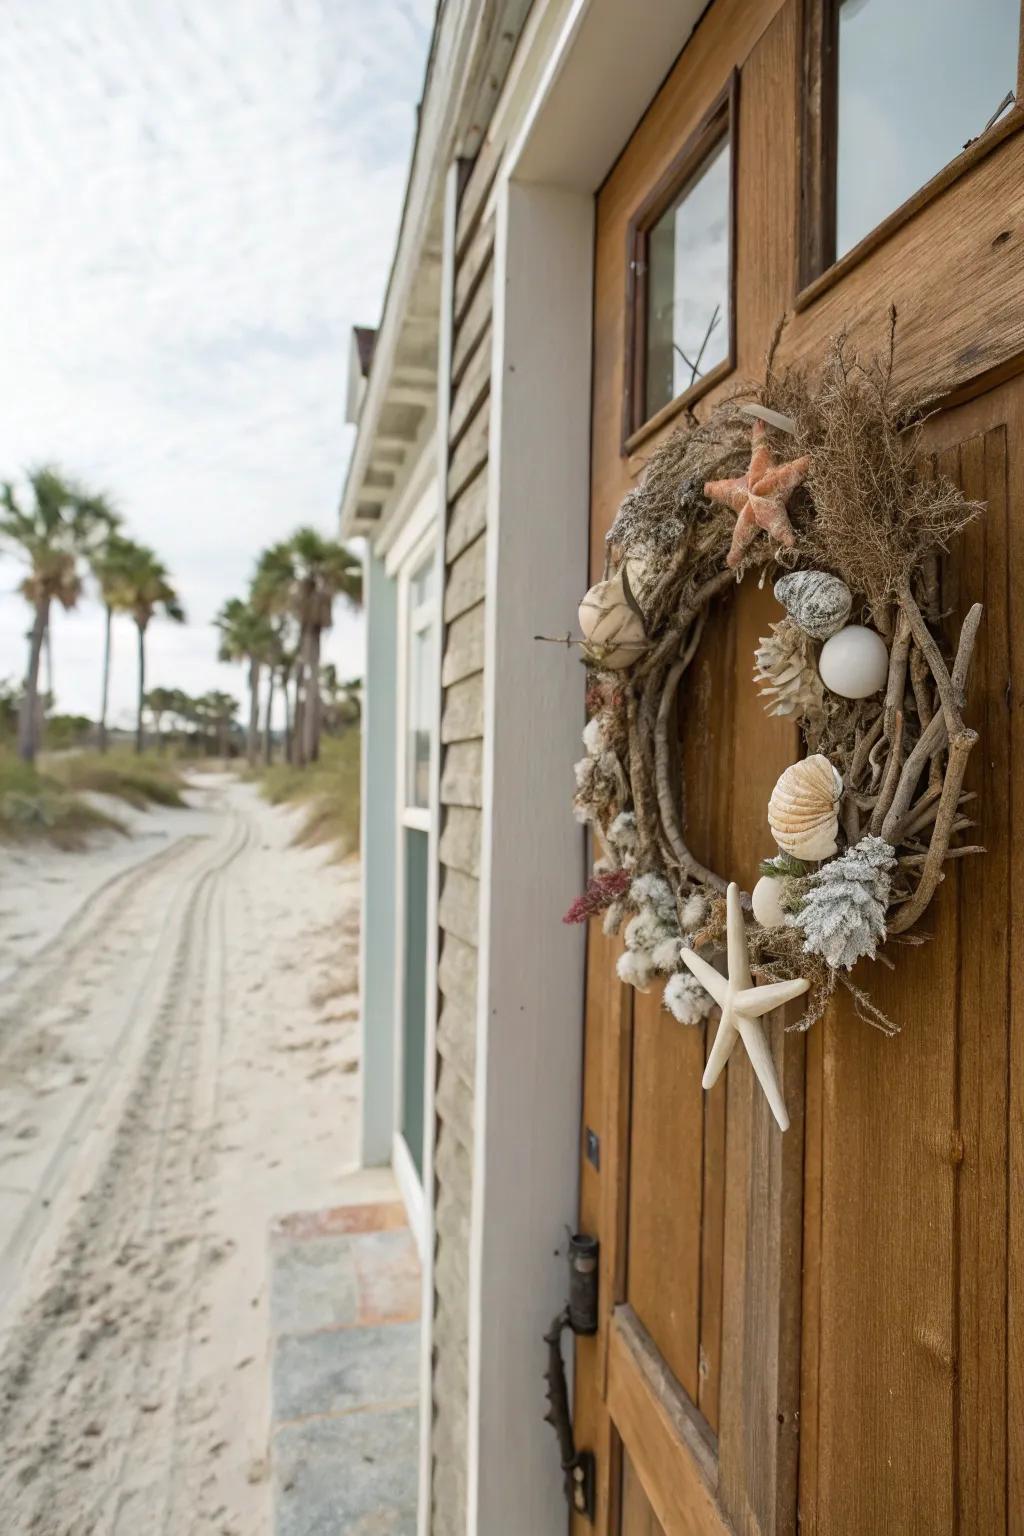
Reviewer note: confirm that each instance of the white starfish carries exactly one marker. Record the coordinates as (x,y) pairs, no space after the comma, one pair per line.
(743,1006)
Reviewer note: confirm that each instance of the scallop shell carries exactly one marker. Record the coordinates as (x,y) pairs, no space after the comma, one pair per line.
(613,631)
(803,811)
(819,603)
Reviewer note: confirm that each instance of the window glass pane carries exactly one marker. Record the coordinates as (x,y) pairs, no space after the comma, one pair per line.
(420,701)
(415,1015)
(916,81)
(688,285)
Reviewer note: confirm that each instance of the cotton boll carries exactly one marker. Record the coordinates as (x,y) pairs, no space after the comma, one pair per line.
(593,736)
(651,890)
(686,1000)
(622,836)
(633,967)
(644,930)
(694,910)
(665,954)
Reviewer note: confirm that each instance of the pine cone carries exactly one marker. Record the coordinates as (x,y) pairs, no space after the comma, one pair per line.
(786,671)
(843,912)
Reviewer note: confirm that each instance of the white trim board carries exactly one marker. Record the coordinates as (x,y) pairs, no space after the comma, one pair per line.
(531,967)
(411,1191)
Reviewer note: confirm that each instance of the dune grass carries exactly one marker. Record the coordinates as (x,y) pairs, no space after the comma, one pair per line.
(327,790)
(138,781)
(37,807)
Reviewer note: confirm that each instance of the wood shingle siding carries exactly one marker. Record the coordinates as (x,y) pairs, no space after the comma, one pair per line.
(462,776)
(460,841)
(462,724)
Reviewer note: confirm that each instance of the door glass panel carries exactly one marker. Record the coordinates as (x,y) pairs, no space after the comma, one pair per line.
(688,285)
(415,1013)
(916,82)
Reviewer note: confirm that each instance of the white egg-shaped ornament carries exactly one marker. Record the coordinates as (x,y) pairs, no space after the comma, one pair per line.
(766,901)
(854,663)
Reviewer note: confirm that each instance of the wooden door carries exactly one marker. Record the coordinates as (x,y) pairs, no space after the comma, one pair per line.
(817,1330)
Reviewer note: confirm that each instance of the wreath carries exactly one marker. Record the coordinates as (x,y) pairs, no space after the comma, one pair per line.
(815,484)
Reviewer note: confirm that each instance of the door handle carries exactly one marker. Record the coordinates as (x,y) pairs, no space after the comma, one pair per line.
(580,1317)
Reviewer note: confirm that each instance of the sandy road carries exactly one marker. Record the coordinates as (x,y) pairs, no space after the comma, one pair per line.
(177,1066)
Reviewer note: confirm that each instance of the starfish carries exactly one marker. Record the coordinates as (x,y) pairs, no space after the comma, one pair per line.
(743,1005)
(760,497)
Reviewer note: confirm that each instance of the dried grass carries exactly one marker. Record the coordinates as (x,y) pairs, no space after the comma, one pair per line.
(865,514)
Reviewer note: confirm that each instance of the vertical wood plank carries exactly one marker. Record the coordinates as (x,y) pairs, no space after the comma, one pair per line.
(602,1202)
(712,1253)
(638,1518)
(1014,699)
(666,1185)
(984,1012)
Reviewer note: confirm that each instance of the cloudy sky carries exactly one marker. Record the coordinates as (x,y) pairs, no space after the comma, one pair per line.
(199,200)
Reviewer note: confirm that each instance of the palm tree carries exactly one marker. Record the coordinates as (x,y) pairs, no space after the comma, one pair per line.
(111,562)
(272,593)
(147,589)
(53,536)
(160,702)
(322,570)
(218,710)
(247,636)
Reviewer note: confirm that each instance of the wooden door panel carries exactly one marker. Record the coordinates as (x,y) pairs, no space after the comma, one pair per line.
(907,1279)
(638,1518)
(827,1319)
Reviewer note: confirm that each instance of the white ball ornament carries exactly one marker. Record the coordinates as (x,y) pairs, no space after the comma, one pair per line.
(854,663)
(766,900)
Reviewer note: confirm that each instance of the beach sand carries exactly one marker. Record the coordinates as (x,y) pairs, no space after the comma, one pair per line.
(178,1067)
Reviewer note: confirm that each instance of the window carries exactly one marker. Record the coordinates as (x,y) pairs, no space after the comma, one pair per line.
(904,89)
(419,705)
(680,263)
(420,688)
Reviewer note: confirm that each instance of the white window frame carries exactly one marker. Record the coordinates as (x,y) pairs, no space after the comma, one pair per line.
(413,548)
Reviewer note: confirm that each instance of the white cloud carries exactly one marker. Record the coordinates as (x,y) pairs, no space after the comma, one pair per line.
(199,201)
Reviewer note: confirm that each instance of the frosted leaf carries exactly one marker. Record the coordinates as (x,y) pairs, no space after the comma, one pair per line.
(843,912)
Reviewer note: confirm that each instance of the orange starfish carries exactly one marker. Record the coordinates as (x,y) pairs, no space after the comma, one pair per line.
(759,498)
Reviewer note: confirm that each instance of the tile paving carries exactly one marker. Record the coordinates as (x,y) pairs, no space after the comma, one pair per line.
(345,1301)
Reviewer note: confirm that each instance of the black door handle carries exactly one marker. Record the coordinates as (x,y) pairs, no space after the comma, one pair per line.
(580,1317)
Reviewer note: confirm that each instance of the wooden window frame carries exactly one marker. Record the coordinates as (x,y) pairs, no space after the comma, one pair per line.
(818,62)
(719,122)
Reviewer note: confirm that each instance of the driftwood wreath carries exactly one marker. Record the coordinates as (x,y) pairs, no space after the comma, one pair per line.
(815,482)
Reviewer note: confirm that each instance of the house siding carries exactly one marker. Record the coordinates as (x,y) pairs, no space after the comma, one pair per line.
(462,680)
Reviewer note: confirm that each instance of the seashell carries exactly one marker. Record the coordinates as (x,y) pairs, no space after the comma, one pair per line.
(854,663)
(819,603)
(803,811)
(613,630)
